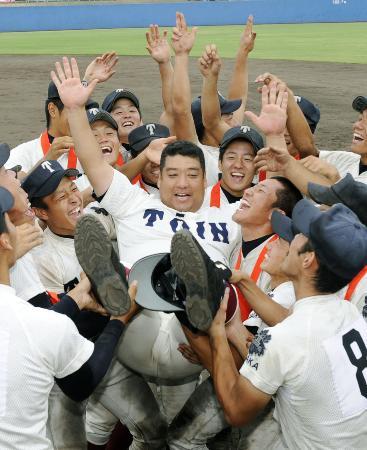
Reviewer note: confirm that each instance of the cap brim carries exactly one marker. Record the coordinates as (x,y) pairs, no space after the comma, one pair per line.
(4,153)
(104,117)
(282,226)
(146,296)
(323,194)
(141,145)
(7,200)
(230,106)
(304,213)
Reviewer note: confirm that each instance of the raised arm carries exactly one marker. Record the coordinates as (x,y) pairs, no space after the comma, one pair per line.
(209,65)
(238,85)
(159,49)
(182,42)
(74,96)
(101,68)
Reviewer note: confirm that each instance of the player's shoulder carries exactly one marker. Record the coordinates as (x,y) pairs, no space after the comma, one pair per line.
(34,143)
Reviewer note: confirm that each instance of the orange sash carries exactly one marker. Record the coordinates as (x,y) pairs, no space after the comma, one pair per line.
(354,283)
(215,195)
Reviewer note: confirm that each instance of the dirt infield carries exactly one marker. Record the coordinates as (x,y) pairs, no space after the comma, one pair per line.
(23,89)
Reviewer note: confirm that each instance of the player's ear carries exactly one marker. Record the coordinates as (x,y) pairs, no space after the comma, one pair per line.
(41,213)
(159,180)
(5,242)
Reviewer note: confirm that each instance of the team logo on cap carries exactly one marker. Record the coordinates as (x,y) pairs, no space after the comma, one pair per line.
(150,127)
(47,166)
(297,98)
(119,90)
(245,129)
(93,111)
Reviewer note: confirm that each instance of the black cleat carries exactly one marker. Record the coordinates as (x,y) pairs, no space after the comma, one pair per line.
(205,281)
(100,263)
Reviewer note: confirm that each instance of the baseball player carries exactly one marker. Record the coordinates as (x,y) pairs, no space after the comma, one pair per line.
(289,361)
(360,135)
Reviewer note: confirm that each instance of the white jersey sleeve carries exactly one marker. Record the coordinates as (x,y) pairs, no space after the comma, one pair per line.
(344,161)
(211,155)
(27,155)
(121,196)
(24,278)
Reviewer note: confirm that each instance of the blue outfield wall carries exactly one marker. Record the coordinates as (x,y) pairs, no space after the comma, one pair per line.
(79,17)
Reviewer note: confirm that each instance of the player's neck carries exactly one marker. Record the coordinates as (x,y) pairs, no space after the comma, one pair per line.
(4,272)
(251,232)
(304,287)
(277,280)
(364,158)
(53,131)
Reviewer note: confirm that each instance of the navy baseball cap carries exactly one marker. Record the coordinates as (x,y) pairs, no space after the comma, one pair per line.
(159,287)
(4,153)
(6,203)
(310,111)
(45,178)
(360,104)
(282,226)
(348,191)
(244,132)
(337,235)
(115,95)
(53,94)
(95,114)
(226,107)
(142,136)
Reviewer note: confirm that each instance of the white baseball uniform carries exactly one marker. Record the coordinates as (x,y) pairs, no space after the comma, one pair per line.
(36,345)
(314,364)
(344,161)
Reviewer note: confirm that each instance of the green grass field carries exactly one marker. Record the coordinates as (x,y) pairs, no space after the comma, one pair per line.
(336,42)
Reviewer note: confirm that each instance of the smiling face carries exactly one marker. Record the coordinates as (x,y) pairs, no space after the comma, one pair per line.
(64,208)
(21,212)
(359,142)
(237,167)
(276,253)
(127,117)
(257,203)
(292,264)
(182,183)
(150,173)
(107,139)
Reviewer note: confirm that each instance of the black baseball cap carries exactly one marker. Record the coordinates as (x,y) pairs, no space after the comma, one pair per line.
(348,191)
(226,107)
(244,132)
(4,153)
(159,287)
(53,94)
(309,110)
(95,114)
(360,104)
(337,235)
(142,136)
(115,95)
(6,203)
(45,178)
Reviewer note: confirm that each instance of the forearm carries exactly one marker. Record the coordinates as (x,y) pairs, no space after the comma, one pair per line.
(134,167)
(300,176)
(210,107)
(181,100)
(267,309)
(99,173)
(80,384)
(166,73)
(299,129)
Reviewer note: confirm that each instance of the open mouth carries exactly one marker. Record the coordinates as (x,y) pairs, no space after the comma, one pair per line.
(106,150)
(182,196)
(128,123)
(244,204)
(237,176)
(357,138)
(76,212)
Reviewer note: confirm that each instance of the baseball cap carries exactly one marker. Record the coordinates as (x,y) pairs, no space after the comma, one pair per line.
(4,153)
(360,103)
(95,114)
(142,136)
(6,203)
(244,132)
(226,107)
(309,110)
(159,287)
(45,178)
(337,235)
(53,94)
(115,95)
(348,191)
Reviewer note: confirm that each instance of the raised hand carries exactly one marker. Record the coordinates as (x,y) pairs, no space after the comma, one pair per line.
(59,146)
(101,68)
(272,159)
(273,115)
(28,237)
(157,45)
(248,37)
(183,38)
(188,353)
(217,328)
(209,62)
(72,93)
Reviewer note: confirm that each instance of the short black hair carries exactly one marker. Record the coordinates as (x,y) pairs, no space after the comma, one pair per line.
(38,202)
(59,105)
(287,197)
(325,281)
(183,148)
